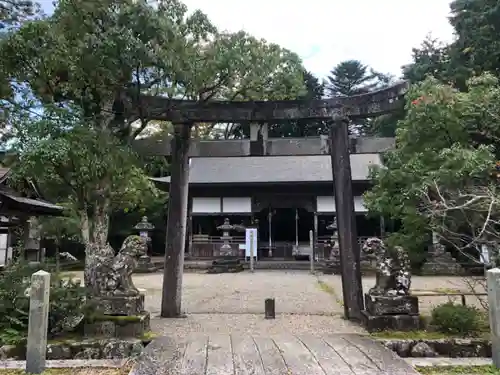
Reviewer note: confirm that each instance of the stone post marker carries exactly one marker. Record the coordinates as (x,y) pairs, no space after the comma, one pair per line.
(311,245)
(493,283)
(38,322)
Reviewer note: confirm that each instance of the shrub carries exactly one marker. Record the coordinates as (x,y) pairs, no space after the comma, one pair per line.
(456,319)
(67,302)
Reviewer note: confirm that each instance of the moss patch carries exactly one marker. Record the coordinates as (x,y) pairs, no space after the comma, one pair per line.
(412,335)
(73,371)
(116,318)
(423,335)
(148,336)
(328,289)
(455,370)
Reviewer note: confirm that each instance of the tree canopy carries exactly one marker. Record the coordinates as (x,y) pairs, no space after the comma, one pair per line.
(351,77)
(75,81)
(439,177)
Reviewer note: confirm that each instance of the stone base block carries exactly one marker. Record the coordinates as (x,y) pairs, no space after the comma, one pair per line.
(444,269)
(145,265)
(226,265)
(398,305)
(120,305)
(374,323)
(119,326)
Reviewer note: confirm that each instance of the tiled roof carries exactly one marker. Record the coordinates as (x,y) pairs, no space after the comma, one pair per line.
(269,169)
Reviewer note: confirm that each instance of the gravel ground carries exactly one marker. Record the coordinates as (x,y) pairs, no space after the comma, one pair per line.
(234,303)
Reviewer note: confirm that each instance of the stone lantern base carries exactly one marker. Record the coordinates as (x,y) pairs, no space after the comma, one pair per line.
(145,265)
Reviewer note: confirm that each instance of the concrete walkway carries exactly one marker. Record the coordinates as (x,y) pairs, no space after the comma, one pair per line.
(277,355)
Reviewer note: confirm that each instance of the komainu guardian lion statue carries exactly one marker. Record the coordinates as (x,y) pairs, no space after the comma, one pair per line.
(393,276)
(113,276)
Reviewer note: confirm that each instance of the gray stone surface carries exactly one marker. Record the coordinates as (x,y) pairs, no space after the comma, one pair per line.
(493,284)
(72,363)
(422,350)
(281,354)
(120,305)
(454,348)
(444,362)
(381,305)
(38,322)
(112,326)
(440,261)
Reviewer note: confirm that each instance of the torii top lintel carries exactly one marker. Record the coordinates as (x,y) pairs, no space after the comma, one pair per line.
(359,106)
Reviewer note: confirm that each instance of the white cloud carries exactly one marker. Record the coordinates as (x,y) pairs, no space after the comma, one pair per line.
(325,32)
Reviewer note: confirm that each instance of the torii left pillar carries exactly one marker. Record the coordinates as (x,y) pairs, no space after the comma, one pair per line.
(352,288)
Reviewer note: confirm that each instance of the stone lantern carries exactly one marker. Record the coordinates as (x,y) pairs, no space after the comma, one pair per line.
(334,251)
(144,227)
(226,228)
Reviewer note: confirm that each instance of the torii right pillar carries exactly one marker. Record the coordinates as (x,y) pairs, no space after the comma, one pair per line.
(344,205)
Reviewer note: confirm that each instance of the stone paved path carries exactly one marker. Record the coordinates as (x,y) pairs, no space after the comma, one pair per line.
(276,355)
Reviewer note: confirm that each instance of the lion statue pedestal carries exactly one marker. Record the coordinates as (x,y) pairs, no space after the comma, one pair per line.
(118,304)
(389,305)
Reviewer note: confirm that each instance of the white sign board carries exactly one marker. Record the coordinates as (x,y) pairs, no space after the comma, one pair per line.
(484,256)
(251,242)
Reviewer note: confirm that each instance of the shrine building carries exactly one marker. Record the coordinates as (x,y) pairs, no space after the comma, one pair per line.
(284,186)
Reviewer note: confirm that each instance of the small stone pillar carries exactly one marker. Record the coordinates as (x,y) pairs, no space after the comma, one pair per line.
(38,322)
(493,284)
(144,264)
(270,308)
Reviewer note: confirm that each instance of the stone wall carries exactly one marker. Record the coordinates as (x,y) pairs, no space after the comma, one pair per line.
(84,349)
(453,348)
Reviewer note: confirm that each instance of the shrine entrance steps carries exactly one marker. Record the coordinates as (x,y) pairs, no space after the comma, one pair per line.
(277,355)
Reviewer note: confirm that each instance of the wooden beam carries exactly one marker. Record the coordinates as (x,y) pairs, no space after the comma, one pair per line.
(359,106)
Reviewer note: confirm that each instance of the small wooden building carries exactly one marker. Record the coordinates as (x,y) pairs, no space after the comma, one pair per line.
(18,209)
(283,186)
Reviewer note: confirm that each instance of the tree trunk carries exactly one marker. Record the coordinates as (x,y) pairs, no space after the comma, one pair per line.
(97,249)
(176,223)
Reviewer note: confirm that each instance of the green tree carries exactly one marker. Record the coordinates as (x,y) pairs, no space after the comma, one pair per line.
(93,59)
(439,60)
(439,176)
(476,24)
(13,12)
(351,77)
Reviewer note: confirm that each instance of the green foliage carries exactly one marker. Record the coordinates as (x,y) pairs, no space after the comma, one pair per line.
(456,319)
(67,302)
(78,75)
(446,147)
(353,78)
(439,60)
(13,12)
(476,24)
(80,166)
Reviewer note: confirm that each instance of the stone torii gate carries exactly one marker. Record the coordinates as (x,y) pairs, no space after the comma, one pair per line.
(337,111)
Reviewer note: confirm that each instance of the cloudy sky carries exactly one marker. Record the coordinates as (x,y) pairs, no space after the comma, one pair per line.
(324,32)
